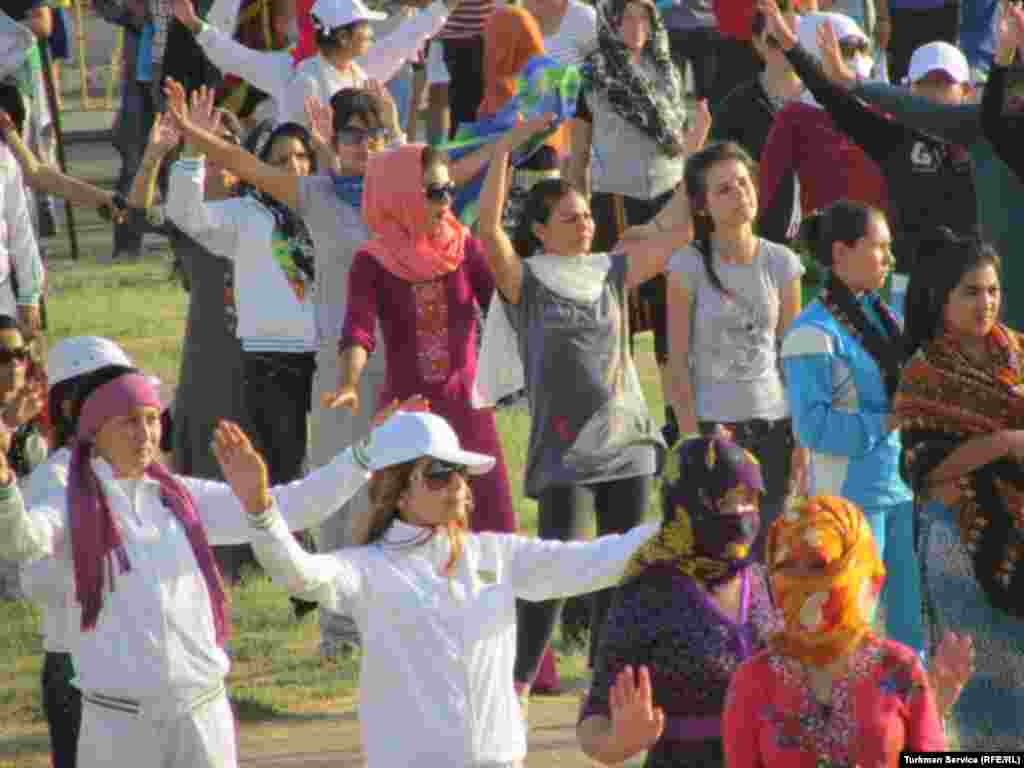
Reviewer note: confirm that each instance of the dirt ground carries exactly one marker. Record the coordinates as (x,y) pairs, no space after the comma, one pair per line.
(334,742)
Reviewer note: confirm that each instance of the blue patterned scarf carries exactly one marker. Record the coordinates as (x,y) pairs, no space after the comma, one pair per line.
(545,87)
(349,189)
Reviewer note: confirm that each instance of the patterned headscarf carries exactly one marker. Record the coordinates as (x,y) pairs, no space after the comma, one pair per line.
(654,107)
(395,211)
(828,613)
(695,537)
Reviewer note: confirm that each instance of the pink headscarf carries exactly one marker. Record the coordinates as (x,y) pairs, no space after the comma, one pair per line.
(395,211)
(95,538)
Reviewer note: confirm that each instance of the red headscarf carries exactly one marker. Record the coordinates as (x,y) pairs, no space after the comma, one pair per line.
(395,211)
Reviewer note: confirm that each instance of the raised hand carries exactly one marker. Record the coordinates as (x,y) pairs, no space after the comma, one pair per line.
(777,25)
(177,105)
(344,397)
(321,121)
(165,136)
(832,62)
(185,12)
(243,467)
(524,130)
(26,404)
(636,723)
(202,113)
(391,116)
(699,128)
(952,666)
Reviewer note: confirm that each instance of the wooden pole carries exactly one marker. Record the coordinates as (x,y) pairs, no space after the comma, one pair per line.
(58,133)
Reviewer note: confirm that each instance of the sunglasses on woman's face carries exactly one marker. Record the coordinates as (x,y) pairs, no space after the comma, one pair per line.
(437,193)
(10,355)
(354,137)
(437,474)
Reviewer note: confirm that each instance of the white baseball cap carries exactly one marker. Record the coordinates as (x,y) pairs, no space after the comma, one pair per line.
(939,56)
(409,435)
(78,355)
(331,14)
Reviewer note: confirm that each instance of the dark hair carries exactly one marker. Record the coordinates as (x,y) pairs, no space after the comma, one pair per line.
(844,221)
(327,40)
(76,390)
(941,261)
(695,179)
(12,103)
(540,202)
(432,156)
(290,131)
(349,103)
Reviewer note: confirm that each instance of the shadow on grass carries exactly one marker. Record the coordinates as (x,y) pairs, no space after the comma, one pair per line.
(249,710)
(24,745)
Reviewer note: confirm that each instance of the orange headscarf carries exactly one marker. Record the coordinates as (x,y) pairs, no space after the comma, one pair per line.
(511,38)
(395,211)
(827,614)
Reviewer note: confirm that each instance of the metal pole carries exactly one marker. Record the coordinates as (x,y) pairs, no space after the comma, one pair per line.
(58,132)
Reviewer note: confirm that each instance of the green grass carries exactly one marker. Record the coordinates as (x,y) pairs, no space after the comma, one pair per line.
(277,673)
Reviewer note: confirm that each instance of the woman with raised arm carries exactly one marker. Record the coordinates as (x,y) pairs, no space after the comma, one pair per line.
(960,409)
(560,329)
(133,542)
(436,603)
(347,55)
(423,279)
(731,296)
(210,379)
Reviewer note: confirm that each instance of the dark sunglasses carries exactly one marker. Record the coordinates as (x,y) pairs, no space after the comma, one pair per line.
(851,46)
(17,354)
(437,193)
(438,473)
(353,137)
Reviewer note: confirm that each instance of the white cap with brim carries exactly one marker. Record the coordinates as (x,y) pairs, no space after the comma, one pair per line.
(408,436)
(939,56)
(78,355)
(328,15)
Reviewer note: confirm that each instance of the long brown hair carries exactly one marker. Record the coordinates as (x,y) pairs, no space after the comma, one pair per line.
(385,489)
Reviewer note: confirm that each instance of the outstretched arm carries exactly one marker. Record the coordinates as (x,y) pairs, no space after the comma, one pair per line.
(279,184)
(501,256)
(49,180)
(1003,130)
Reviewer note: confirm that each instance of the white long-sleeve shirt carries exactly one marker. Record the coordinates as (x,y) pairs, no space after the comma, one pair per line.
(275,72)
(46,581)
(19,252)
(155,640)
(436,685)
(271,315)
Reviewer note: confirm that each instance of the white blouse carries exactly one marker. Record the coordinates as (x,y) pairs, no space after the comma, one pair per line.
(437,668)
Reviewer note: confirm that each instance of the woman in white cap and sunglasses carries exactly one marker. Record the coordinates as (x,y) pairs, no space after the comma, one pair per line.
(131,544)
(435,603)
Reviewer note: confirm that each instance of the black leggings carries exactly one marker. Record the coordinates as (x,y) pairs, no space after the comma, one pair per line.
(62,705)
(562,514)
(278,388)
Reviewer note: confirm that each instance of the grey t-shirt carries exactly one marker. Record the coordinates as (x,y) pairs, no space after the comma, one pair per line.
(733,352)
(589,421)
(338,232)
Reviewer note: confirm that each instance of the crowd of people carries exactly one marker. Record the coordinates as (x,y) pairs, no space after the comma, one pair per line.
(824,260)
